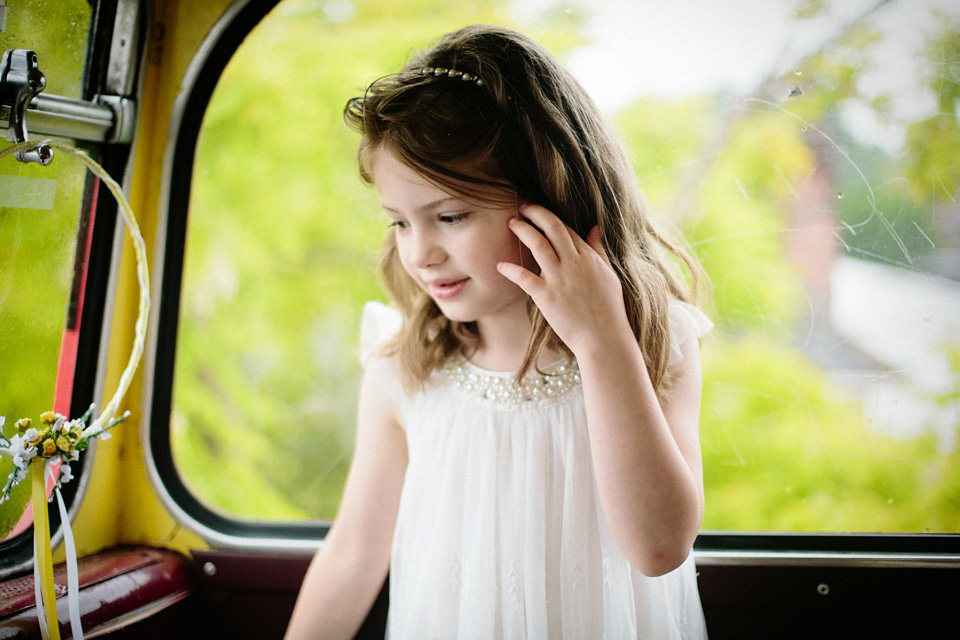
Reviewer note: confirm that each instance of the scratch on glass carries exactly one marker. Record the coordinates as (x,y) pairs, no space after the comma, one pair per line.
(793,192)
(925,236)
(871,196)
(849,228)
(840,238)
(742,190)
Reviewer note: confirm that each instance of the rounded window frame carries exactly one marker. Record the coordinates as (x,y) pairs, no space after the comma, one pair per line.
(711,548)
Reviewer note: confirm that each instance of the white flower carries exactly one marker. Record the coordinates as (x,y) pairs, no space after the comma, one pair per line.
(22,454)
(66,474)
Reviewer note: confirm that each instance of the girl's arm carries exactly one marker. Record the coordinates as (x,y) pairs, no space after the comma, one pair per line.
(348,571)
(646,453)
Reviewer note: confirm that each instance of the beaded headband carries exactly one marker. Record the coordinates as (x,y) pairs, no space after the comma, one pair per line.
(450,73)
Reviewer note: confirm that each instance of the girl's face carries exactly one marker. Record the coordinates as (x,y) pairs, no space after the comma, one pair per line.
(451,246)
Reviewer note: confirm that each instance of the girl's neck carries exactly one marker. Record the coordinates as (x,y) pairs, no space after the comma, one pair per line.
(503,345)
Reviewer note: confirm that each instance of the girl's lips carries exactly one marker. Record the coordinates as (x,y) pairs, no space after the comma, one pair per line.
(447,289)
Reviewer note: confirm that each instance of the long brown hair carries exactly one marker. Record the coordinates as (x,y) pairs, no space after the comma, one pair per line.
(526,133)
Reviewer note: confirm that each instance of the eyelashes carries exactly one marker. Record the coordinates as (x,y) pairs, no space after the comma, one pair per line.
(450,219)
(454,218)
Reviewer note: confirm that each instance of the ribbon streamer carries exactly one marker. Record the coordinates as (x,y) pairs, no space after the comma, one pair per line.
(73,571)
(42,556)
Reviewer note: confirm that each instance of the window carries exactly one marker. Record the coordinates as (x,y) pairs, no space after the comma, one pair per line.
(46,235)
(815,174)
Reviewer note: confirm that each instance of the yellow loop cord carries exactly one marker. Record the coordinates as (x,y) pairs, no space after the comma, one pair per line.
(140,329)
(50,627)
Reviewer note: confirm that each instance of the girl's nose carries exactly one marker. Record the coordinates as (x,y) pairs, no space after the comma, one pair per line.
(423,249)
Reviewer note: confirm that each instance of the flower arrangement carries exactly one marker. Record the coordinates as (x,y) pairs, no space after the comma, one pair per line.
(54,438)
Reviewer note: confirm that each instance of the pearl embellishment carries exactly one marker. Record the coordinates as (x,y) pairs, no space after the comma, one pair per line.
(558,381)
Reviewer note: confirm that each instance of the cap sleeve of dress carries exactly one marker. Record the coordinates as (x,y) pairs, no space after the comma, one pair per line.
(686,321)
(378,324)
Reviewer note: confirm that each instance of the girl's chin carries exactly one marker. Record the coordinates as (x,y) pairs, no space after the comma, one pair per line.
(453,314)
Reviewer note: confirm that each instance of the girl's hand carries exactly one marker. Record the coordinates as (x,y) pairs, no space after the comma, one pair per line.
(577,290)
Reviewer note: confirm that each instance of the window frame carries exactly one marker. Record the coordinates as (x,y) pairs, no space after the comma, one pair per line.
(716,548)
(99,241)
(186,120)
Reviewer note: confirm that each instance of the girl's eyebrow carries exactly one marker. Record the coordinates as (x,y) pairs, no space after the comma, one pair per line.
(430,206)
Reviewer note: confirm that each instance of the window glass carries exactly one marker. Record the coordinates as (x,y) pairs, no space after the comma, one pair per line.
(815,174)
(39,218)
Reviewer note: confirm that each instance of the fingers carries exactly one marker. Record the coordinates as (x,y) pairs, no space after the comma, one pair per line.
(551,242)
(553,229)
(542,250)
(523,278)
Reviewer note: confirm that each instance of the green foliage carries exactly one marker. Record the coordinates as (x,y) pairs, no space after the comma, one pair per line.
(36,270)
(36,247)
(57,32)
(786,450)
(934,144)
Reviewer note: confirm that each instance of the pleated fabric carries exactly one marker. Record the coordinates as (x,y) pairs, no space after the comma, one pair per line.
(500,534)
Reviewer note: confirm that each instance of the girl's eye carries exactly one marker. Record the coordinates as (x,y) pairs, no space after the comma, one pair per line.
(398,224)
(453,218)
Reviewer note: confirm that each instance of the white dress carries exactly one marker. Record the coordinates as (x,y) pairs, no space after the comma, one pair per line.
(500,534)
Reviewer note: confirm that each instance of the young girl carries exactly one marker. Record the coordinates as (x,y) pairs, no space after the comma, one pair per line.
(527,461)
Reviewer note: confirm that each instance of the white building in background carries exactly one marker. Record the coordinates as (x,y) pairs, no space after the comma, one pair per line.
(906,321)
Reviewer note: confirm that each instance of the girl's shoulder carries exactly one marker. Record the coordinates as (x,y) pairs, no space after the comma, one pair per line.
(378,325)
(686,321)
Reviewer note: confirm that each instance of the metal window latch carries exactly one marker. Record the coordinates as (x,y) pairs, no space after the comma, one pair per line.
(109,119)
(20,82)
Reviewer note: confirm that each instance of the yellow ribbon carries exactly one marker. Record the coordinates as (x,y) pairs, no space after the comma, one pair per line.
(42,554)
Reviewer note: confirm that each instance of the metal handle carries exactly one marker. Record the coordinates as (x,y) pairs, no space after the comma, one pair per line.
(20,82)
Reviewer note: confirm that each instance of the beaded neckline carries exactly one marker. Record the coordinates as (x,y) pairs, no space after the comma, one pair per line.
(500,387)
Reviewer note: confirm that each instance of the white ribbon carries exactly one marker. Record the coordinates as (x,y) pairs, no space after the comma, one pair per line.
(38,596)
(73,572)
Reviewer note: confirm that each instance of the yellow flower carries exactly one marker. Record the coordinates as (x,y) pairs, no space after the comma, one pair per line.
(23,424)
(63,443)
(48,448)
(48,417)
(76,432)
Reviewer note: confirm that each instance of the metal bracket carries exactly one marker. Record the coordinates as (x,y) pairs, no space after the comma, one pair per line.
(20,82)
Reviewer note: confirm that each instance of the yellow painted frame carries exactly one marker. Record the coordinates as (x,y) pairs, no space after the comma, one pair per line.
(120,505)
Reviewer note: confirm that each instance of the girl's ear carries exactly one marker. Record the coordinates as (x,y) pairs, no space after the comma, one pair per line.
(595,242)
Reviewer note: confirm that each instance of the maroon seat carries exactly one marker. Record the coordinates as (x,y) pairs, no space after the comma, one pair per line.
(119,590)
